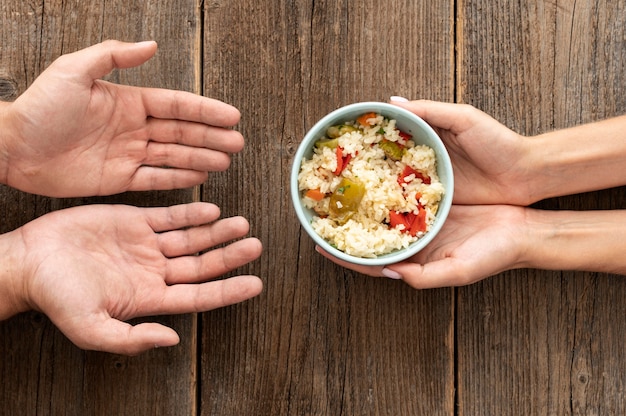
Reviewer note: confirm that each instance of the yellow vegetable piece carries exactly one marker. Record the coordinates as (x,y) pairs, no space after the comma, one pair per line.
(345,200)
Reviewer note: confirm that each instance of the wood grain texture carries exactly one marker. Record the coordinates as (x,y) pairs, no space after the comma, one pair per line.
(47,374)
(529,341)
(320,340)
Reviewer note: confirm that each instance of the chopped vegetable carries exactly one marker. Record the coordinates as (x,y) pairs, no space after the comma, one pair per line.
(336,131)
(424,178)
(315,194)
(363,119)
(408,171)
(342,161)
(405,136)
(345,200)
(412,223)
(398,218)
(393,150)
(325,142)
(419,223)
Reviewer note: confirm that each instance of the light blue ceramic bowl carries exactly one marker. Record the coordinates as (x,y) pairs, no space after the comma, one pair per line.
(406,121)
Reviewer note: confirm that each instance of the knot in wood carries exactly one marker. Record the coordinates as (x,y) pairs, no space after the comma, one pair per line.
(8,89)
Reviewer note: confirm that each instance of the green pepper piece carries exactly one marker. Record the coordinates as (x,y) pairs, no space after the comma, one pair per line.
(345,200)
(325,142)
(337,131)
(393,150)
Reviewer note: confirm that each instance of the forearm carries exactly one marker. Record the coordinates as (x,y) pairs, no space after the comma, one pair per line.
(576,240)
(579,159)
(12,287)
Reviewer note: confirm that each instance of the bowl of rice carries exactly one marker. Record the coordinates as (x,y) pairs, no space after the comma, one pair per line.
(372,183)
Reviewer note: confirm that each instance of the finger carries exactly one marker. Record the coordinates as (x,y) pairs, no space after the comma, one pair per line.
(192,240)
(185,157)
(208,296)
(192,269)
(181,105)
(195,135)
(150,178)
(122,338)
(100,59)
(179,216)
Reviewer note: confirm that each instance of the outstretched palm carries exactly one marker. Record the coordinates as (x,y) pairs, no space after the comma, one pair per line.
(90,268)
(72,134)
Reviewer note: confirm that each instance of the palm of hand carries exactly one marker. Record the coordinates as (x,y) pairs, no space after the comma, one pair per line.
(71,134)
(95,140)
(89,265)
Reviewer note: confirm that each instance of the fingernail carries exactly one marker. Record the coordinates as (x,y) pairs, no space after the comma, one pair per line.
(391,274)
(398,99)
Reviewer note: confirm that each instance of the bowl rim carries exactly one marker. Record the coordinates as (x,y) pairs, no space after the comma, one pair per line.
(441,154)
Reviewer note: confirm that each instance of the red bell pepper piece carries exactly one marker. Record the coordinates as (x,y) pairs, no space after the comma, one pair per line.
(346,159)
(398,218)
(408,171)
(342,161)
(419,224)
(412,223)
(339,153)
(424,178)
(405,136)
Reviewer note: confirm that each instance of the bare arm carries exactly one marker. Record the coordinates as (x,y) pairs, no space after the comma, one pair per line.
(573,240)
(579,159)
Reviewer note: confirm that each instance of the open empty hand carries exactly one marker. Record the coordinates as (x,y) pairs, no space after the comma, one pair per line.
(72,134)
(91,268)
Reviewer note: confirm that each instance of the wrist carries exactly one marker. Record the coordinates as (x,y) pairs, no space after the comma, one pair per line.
(13,299)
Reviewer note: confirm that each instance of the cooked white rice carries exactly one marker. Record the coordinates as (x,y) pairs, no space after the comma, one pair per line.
(367,233)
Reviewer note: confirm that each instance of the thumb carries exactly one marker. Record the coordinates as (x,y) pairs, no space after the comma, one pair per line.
(440,273)
(435,113)
(100,59)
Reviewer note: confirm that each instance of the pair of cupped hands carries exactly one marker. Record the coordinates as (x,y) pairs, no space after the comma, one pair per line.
(91,268)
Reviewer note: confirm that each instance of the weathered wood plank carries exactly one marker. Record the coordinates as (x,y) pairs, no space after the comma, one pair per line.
(319,340)
(41,371)
(538,342)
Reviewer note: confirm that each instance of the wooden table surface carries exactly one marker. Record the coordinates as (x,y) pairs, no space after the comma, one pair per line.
(321,340)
